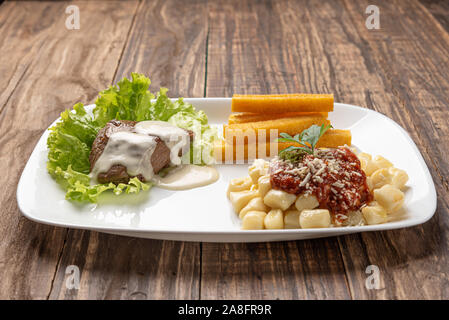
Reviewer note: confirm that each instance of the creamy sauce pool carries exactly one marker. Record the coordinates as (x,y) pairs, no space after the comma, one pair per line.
(134,150)
(187,176)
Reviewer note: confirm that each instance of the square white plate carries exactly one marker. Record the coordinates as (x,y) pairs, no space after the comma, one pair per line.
(205,214)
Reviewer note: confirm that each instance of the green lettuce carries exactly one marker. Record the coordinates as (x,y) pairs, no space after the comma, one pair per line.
(70,140)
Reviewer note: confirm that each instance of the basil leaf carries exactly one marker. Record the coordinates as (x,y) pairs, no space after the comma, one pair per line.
(286,135)
(286,140)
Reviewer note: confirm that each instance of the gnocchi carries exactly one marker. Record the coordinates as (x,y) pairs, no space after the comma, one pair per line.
(306,202)
(369,183)
(239,184)
(398,177)
(374,214)
(381,162)
(279,199)
(370,167)
(355,218)
(260,206)
(317,218)
(255,204)
(291,219)
(253,220)
(379,178)
(389,197)
(274,219)
(257,169)
(264,185)
(240,199)
(364,156)
(391,175)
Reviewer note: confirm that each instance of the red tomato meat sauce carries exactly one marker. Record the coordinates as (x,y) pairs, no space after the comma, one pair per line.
(334,176)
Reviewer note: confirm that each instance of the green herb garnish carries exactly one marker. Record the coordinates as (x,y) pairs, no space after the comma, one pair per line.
(306,139)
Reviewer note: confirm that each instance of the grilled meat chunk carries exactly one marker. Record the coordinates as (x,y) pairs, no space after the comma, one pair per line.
(118,173)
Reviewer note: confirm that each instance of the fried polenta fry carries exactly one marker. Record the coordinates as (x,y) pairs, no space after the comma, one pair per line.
(244,117)
(333,138)
(282,103)
(272,128)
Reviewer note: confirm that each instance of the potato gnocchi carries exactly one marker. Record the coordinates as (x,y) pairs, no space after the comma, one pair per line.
(261,206)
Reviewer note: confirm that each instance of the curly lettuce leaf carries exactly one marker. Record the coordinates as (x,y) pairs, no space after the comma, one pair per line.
(71,139)
(201,150)
(129,100)
(79,188)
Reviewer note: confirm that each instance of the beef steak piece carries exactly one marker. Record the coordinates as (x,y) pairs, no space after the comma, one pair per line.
(118,173)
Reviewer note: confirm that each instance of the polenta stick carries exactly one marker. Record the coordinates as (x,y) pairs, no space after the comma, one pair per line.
(281,103)
(333,138)
(231,152)
(291,126)
(244,117)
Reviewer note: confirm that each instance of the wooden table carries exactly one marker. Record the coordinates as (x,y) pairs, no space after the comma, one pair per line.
(206,48)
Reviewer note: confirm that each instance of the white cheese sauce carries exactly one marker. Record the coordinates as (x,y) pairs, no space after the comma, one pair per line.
(134,150)
(175,138)
(187,176)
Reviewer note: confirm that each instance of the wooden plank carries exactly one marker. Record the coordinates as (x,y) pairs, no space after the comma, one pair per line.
(266,47)
(113,267)
(398,70)
(169,45)
(71,66)
(278,270)
(170,48)
(440,10)
(22,37)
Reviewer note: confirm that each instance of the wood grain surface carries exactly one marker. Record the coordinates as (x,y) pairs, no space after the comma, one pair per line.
(116,267)
(217,48)
(247,55)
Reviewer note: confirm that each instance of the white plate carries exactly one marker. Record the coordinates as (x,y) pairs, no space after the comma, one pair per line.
(204,214)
